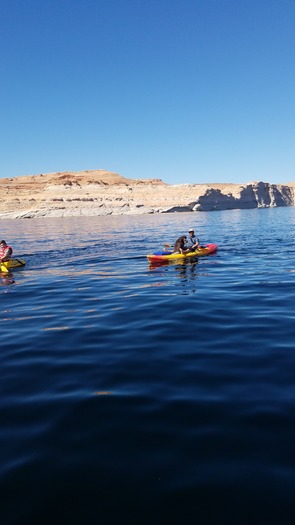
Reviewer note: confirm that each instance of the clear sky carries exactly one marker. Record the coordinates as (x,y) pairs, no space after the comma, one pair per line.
(196,91)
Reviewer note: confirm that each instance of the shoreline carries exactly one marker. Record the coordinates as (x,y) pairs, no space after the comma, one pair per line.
(100,193)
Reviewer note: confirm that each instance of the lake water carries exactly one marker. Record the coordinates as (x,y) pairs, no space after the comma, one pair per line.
(141,394)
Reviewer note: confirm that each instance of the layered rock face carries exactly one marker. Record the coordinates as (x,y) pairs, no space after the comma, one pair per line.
(100,192)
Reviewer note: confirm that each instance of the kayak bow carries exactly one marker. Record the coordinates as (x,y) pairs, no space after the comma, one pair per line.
(12,263)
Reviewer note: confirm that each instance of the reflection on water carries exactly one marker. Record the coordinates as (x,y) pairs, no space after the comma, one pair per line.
(6,278)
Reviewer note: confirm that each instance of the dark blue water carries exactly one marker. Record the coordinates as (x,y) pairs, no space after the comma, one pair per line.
(142,394)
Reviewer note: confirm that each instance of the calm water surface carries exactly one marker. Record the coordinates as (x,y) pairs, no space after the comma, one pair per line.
(146,394)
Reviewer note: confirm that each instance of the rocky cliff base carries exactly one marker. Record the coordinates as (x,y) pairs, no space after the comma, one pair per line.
(99,192)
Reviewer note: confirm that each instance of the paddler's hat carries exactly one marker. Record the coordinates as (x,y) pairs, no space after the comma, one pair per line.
(191,230)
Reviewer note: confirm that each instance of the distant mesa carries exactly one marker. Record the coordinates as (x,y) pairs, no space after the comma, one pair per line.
(102,192)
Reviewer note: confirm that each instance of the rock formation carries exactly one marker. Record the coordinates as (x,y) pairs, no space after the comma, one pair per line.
(101,192)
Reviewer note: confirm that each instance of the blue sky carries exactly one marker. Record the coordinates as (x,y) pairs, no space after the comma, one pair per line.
(196,91)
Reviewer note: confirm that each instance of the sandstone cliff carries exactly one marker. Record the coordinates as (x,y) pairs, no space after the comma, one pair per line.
(101,192)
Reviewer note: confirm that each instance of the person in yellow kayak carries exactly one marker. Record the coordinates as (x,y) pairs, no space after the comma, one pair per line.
(5,252)
(193,242)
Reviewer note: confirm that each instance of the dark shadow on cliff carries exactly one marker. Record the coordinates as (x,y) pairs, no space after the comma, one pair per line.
(252,196)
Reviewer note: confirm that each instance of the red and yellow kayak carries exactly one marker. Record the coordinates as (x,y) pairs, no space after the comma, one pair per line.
(207,249)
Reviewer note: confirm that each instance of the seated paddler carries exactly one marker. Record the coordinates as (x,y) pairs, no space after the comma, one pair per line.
(193,242)
(5,252)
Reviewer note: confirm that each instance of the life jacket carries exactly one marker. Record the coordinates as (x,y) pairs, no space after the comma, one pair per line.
(3,250)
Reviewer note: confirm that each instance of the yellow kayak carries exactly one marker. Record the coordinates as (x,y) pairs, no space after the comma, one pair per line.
(7,266)
(170,256)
